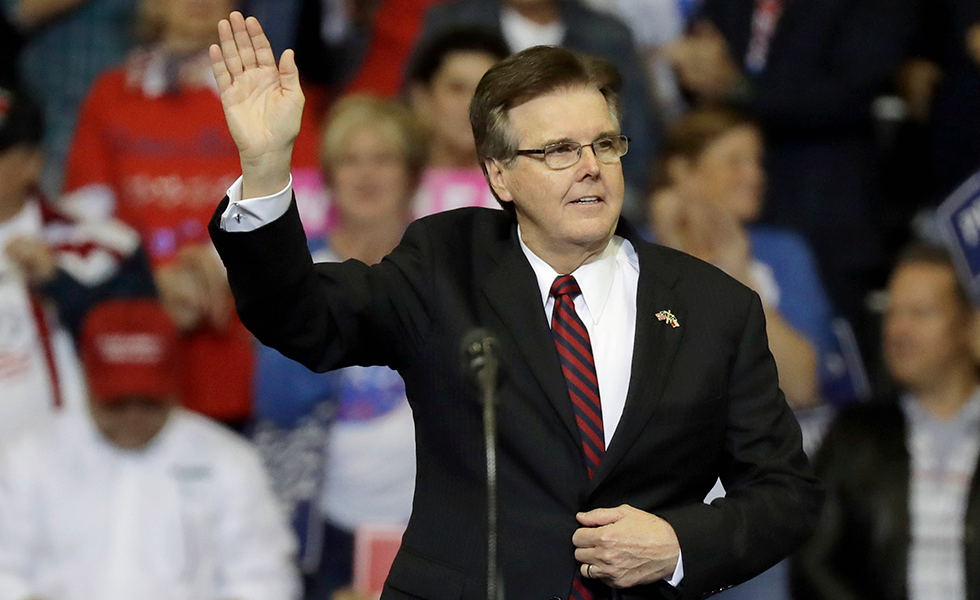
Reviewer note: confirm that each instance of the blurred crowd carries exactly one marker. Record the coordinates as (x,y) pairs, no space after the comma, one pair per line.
(151,448)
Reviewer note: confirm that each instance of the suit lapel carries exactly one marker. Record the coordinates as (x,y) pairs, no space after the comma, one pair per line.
(513,293)
(655,344)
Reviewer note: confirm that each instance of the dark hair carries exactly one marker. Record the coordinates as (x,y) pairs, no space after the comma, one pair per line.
(692,133)
(527,75)
(433,54)
(21,120)
(919,252)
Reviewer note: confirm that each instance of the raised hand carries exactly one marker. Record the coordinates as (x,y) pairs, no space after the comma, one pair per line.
(263,102)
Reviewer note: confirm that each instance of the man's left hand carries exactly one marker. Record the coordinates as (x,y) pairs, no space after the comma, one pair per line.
(625,546)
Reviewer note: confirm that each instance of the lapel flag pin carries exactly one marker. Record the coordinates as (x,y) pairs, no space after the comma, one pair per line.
(666,315)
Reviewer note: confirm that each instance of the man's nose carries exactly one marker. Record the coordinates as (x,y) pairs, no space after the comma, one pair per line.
(588,163)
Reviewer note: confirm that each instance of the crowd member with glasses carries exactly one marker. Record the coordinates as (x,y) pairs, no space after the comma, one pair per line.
(632,375)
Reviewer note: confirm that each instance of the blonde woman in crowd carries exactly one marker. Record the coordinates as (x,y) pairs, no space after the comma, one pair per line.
(372,153)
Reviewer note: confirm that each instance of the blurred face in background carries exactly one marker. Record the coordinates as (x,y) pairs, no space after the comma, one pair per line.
(20,169)
(131,422)
(190,25)
(370,177)
(926,328)
(444,105)
(728,172)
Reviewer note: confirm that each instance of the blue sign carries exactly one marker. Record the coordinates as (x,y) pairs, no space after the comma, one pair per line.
(958,218)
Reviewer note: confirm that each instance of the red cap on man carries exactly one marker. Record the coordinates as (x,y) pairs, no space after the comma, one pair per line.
(128,348)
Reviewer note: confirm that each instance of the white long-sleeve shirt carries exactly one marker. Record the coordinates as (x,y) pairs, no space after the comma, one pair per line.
(192,517)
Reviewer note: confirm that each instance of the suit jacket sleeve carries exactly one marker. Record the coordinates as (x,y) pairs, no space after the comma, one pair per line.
(327,315)
(772,500)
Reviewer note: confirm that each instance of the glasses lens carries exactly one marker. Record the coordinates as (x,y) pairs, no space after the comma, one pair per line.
(564,154)
(609,150)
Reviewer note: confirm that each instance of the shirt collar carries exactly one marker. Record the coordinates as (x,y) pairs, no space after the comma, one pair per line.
(594,278)
(968,416)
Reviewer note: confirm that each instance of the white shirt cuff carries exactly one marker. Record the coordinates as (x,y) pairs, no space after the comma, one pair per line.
(252,213)
(675,579)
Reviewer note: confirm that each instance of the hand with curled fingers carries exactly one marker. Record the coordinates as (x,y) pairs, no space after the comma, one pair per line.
(263,102)
(625,546)
(703,63)
(181,296)
(34,258)
(201,263)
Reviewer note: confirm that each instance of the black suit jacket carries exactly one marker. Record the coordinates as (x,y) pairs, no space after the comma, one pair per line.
(703,401)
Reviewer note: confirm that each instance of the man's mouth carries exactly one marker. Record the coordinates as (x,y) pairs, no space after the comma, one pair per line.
(587,200)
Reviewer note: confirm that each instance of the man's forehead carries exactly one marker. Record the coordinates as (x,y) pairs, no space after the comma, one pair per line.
(919,281)
(566,113)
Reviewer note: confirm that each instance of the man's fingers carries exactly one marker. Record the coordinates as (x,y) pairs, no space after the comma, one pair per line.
(220,70)
(599,517)
(263,49)
(288,72)
(229,49)
(243,40)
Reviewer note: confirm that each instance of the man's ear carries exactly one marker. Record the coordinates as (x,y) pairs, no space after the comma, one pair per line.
(495,175)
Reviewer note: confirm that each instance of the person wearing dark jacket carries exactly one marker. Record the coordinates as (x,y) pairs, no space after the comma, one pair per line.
(901,518)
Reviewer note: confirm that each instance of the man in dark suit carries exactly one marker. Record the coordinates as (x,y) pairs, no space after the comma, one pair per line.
(653,379)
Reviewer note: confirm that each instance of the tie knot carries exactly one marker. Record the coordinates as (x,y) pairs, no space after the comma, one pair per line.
(565,285)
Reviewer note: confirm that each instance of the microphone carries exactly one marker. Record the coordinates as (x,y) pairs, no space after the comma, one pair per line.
(479,358)
(480,361)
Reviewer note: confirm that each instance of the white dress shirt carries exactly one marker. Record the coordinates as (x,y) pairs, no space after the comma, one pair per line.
(607,304)
(191,517)
(607,307)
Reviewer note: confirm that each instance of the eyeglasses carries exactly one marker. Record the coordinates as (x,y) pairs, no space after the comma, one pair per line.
(562,155)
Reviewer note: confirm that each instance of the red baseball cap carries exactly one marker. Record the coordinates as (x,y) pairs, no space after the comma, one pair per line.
(128,348)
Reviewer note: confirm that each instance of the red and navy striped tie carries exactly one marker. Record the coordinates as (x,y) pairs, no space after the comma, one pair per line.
(578,365)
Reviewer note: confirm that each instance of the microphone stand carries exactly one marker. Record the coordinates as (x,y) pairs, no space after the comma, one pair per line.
(483,362)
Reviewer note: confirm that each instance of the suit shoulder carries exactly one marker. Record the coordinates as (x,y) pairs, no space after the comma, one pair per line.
(689,271)
(468,223)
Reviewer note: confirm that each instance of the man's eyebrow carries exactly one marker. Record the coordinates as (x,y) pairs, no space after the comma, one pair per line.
(564,140)
(568,140)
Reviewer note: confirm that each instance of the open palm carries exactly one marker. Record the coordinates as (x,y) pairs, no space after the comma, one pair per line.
(263,103)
